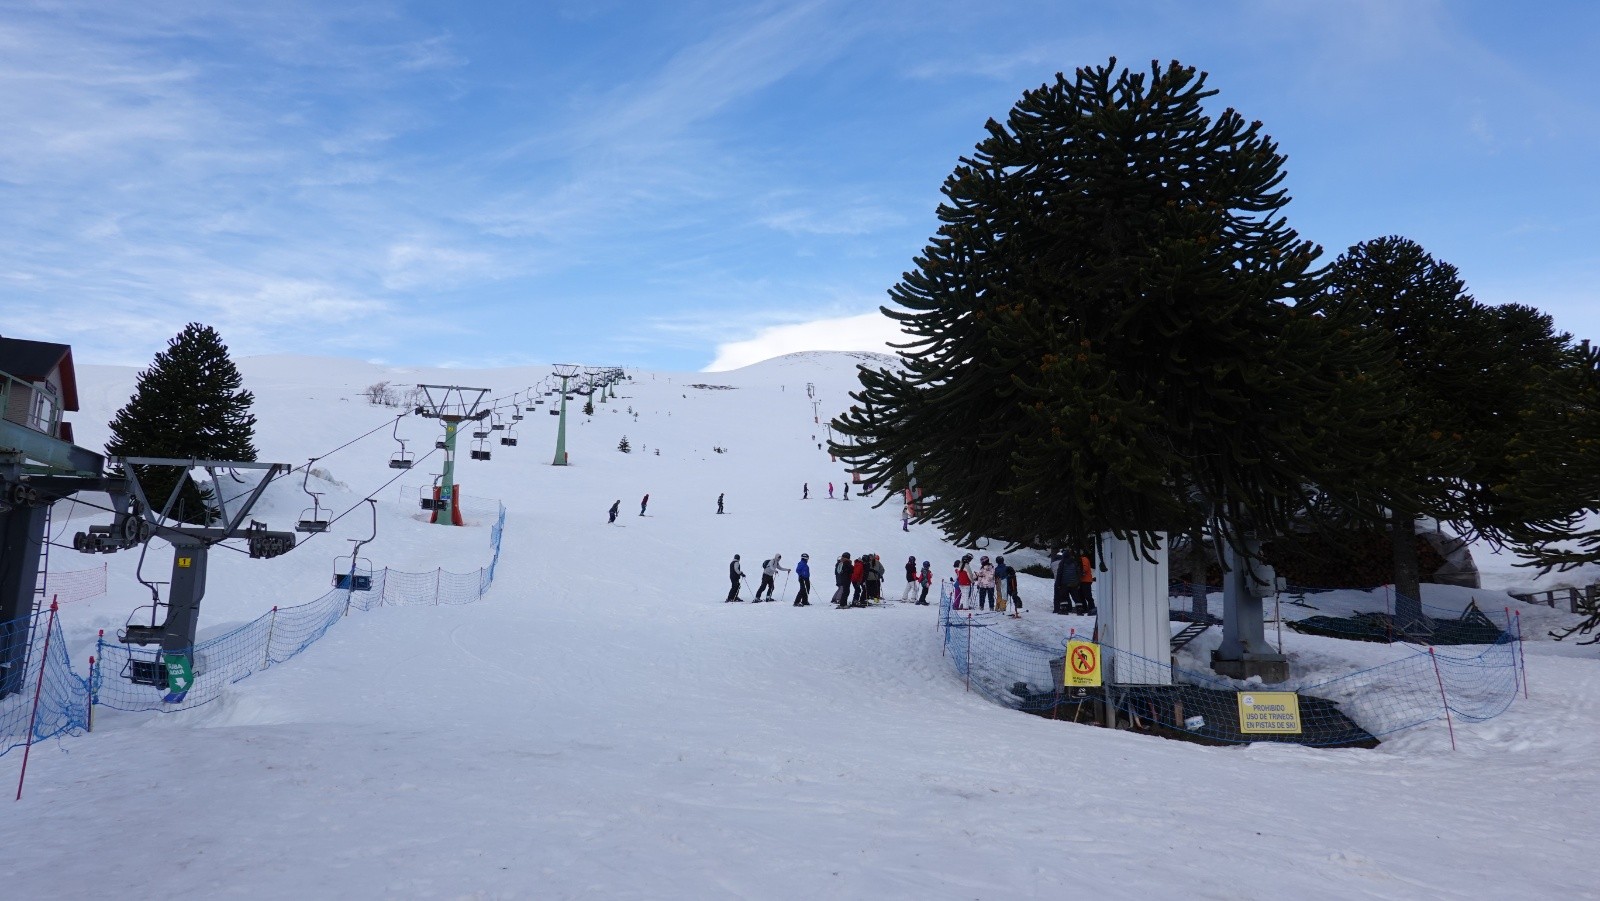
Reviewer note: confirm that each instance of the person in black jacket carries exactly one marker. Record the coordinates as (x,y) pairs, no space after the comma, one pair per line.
(911,579)
(735,573)
(613,514)
(842,568)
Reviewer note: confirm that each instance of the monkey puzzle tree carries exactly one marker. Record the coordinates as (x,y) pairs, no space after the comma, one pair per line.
(1473,375)
(1115,330)
(188,403)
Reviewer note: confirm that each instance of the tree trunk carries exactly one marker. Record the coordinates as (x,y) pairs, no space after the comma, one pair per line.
(1407,575)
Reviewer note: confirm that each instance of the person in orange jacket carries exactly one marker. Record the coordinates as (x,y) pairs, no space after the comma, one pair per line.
(1085,590)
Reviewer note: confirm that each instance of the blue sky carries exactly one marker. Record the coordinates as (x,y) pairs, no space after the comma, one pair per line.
(686,184)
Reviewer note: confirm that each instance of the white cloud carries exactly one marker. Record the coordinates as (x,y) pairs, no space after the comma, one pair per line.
(868,331)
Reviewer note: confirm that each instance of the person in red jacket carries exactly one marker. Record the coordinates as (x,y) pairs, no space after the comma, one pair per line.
(858,581)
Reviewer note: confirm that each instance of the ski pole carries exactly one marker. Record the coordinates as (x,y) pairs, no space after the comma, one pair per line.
(785,591)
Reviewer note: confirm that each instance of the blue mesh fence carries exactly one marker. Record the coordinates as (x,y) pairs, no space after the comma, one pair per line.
(1353,708)
(63,696)
(269,640)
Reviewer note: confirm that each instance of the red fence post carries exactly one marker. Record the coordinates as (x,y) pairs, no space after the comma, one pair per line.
(1443,698)
(44,660)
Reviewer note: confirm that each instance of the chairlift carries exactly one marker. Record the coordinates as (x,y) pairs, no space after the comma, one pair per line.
(517,417)
(481,433)
(537,400)
(509,439)
(356,574)
(428,502)
(401,459)
(555,411)
(480,450)
(312,518)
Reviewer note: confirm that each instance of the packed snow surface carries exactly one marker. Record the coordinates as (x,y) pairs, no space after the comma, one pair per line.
(602,725)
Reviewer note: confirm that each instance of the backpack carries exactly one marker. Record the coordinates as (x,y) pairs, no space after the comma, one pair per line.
(765,564)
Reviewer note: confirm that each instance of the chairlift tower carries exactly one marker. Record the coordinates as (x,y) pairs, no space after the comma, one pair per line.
(40,465)
(563,371)
(451,405)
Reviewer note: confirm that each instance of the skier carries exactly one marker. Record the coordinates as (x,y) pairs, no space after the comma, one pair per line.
(985,582)
(1005,580)
(858,581)
(911,579)
(719,503)
(769,571)
(1084,596)
(805,491)
(1066,582)
(735,573)
(841,580)
(846,490)
(614,508)
(963,580)
(643,504)
(802,572)
(927,580)
(874,590)
(830,491)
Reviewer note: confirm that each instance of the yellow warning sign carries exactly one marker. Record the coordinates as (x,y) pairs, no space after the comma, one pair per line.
(183,562)
(1269,711)
(1083,665)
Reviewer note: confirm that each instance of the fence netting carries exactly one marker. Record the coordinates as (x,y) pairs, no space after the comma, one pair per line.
(1339,704)
(271,639)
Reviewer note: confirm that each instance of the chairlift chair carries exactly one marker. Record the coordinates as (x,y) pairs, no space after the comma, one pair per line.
(402,459)
(555,411)
(428,502)
(312,518)
(356,573)
(509,439)
(480,450)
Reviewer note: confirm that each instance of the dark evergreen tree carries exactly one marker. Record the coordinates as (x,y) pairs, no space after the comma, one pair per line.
(588,406)
(624,446)
(1115,330)
(188,403)
(1469,373)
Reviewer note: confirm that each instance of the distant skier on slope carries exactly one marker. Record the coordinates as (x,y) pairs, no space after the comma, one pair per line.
(735,573)
(614,508)
(719,503)
(643,504)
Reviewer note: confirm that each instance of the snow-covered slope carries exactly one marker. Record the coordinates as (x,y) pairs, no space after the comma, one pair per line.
(602,725)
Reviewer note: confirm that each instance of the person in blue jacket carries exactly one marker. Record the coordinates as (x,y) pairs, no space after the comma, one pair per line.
(802,571)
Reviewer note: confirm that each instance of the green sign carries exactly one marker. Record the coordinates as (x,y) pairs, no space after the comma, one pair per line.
(180,673)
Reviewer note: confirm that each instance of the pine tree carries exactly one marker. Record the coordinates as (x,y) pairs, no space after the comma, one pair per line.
(624,446)
(1115,330)
(1468,372)
(588,406)
(188,403)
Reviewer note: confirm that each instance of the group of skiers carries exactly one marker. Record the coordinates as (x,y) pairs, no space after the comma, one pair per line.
(1074,583)
(769,572)
(979,589)
(858,582)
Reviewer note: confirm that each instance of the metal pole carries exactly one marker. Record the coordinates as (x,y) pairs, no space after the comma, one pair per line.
(447,486)
(561,429)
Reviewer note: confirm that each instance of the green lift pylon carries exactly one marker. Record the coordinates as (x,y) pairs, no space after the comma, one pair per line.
(449,405)
(563,371)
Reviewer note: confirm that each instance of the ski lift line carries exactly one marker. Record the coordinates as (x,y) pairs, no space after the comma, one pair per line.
(335,450)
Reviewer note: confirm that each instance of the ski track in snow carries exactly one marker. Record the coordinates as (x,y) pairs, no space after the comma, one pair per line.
(601,725)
